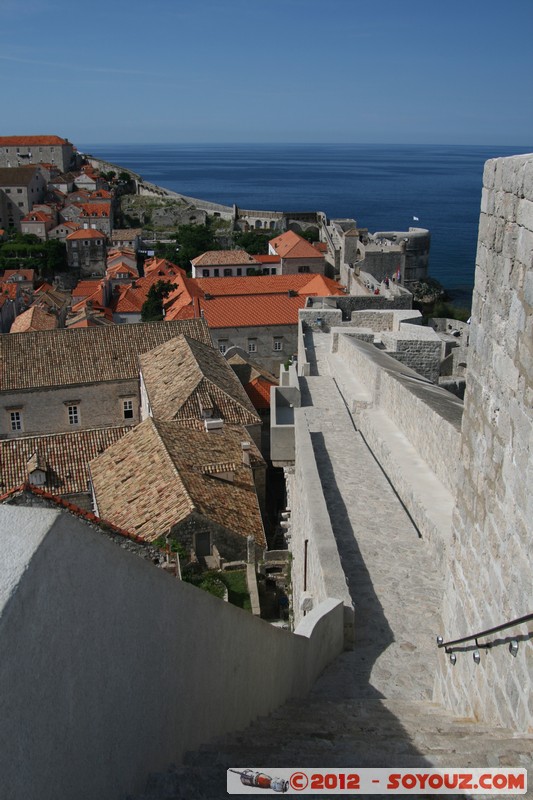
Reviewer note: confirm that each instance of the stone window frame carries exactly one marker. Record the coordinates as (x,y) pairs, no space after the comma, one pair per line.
(252,345)
(277,344)
(222,345)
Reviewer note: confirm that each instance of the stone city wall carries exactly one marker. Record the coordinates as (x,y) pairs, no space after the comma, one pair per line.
(316,570)
(490,563)
(417,347)
(112,669)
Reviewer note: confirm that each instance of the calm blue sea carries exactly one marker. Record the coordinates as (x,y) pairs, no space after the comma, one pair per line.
(382,186)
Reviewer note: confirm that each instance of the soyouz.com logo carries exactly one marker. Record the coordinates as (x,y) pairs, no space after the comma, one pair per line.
(438,781)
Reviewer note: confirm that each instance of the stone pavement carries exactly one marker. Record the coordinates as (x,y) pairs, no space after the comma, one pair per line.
(372,706)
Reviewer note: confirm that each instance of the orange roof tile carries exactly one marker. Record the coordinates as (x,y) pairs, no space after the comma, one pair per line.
(258,390)
(86,233)
(267,259)
(162,265)
(320,286)
(253,311)
(260,284)
(29,141)
(26,274)
(36,216)
(94,209)
(290,245)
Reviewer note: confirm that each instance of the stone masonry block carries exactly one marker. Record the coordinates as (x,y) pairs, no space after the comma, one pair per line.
(524,214)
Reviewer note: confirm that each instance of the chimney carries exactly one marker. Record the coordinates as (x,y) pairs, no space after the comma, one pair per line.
(245,453)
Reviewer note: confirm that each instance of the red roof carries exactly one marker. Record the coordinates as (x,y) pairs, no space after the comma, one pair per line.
(94,209)
(267,259)
(224,257)
(86,233)
(34,319)
(258,391)
(26,274)
(321,247)
(9,289)
(252,311)
(262,284)
(290,245)
(162,265)
(28,141)
(36,216)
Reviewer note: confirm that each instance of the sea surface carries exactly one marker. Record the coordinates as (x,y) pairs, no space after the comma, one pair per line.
(383,187)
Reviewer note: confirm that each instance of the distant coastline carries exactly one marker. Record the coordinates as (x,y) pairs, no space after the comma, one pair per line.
(381,186)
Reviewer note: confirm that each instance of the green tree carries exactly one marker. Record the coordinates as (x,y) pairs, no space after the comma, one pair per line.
(152,310)
(253,242)
(311,235)
(193,240)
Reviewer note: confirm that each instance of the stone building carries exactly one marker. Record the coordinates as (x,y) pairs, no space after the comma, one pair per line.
(296,254)
(20,189)
(223,264)
(86,251)
(190,382)
(17,151)
(57,463)
(196,486)
(85,378)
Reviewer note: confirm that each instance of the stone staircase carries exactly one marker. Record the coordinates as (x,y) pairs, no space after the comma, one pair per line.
(373,706)
(339,733)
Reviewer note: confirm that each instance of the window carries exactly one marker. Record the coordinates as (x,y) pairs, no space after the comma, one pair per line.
(73,415)
(227,273)
(222,345)
(215,273)
(205,273)
(278,344)
(16,420)
(127,407)
(20,205)
(252,345)
(303,269)
(19,191)
(8,191)
(239,271)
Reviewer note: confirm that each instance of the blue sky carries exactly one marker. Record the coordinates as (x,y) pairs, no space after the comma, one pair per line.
(386,71)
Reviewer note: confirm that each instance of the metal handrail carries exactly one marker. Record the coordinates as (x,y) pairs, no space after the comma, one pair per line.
(475,636)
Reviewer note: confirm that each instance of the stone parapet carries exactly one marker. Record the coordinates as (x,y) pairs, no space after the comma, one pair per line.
(490,564)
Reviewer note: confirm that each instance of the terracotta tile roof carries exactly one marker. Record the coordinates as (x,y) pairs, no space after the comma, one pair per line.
(12,274)
(103,194)
(86,233)
(34,319)
(128,300)
(321,247)
(214,258)
(162,266)
(85,289)
(258,391)
(65,456)
(267,259)
(72,357)
(183,377)
(36,216)
(31,141)
(260,284)
(9,289)
(162,472)
(320,286)
(290,245)
(94,209)
(17,176)
(44,287)
(121,268)
(254,311)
